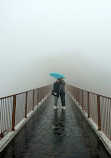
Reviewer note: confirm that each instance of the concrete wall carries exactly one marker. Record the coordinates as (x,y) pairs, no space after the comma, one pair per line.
(66,36)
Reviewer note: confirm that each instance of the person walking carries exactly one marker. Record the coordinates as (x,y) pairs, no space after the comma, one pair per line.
(62,92)
(55,92)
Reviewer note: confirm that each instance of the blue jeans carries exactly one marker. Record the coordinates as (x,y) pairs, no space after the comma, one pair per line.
(55,100)
(62,96)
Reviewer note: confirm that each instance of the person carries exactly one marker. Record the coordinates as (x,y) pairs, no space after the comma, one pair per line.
(62,92)
(55,92)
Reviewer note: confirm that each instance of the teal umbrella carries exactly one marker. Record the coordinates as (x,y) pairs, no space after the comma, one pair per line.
(57,75)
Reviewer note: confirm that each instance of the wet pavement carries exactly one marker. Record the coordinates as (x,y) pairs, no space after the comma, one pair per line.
(56,134)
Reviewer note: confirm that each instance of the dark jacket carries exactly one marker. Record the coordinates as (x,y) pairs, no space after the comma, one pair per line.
(56,87)
(62,86)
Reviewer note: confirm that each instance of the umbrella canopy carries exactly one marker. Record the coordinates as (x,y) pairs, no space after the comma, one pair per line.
(57,75)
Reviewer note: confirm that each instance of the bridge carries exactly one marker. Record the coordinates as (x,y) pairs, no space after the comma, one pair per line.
(31,127)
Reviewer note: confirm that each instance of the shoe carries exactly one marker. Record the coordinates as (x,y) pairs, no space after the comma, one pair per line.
(55,107)
(63,107)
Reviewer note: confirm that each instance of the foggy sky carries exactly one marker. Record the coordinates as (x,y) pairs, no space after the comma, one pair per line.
(67,36)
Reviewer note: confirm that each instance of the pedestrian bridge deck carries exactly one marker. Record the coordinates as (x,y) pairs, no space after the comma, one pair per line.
(56,134)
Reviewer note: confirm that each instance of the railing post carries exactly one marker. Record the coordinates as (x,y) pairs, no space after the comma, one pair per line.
(88,106)
(40,94)
(1,135)
(33,101)
(43,93)
(78,96)
(37,96)
(99,117)
(13,113)
(82,100)
(26,106)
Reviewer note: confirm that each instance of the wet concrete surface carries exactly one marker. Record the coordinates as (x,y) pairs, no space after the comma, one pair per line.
(56,134)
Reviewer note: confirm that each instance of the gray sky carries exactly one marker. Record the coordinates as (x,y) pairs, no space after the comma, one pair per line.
(68,36)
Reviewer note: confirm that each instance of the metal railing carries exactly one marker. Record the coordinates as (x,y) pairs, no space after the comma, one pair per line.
(97,107)
(16,107)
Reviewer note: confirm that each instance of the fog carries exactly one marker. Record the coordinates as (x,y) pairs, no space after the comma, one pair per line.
(72,37)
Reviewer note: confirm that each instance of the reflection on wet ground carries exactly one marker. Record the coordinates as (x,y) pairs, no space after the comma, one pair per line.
(56,134)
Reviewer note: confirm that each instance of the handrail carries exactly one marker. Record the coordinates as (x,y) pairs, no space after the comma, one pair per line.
(94,93)
(19,93)
(16,107)
(97,107)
